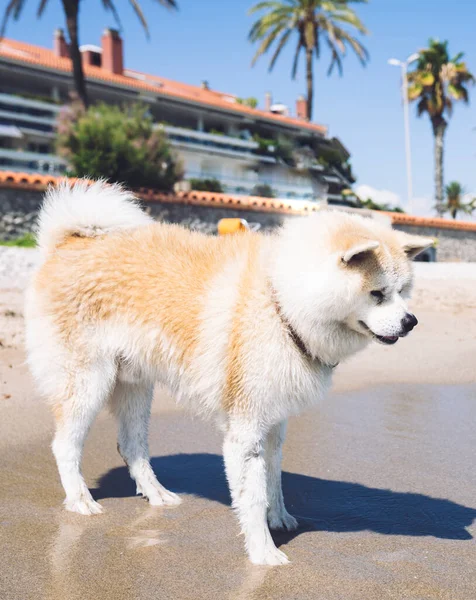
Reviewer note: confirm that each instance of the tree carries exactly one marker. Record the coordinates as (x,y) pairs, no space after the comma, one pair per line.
(263,190)
(371,205)
(454,200)
(206,185)
(71,13)
(314,21)
(435,83)
(119,144)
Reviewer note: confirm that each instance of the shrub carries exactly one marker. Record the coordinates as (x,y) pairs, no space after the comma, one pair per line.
(27,240)
(251,102)
(120,144)
(206,185)
(262,189)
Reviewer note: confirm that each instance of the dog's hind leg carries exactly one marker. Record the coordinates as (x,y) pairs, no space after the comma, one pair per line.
(245,465)
(74,417)
(131,404)
(278,516)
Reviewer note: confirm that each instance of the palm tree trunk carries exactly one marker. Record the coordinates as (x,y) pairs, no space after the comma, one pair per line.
(310,82)
(439,127)
(71,10)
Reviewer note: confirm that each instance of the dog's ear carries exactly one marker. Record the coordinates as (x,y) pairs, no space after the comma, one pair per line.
(413,245)
(358,249)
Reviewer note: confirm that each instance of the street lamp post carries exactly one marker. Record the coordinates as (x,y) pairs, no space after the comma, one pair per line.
(406,121)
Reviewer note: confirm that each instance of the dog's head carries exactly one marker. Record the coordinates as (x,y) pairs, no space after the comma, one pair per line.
(382,279)
(344,280)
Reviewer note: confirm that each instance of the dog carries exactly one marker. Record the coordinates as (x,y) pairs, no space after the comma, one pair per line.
(246,328)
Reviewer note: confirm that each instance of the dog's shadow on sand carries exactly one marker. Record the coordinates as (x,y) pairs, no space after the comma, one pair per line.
(318,504)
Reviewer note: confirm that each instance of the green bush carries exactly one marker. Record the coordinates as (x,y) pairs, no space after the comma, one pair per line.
(371,205)
(25,241)
(262,189)
(118,143)
(251,102)
(206,185)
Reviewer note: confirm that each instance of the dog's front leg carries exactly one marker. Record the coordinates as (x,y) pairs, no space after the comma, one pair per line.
(245,466)
(278,516)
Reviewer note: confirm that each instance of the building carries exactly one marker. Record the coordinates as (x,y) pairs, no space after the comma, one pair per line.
(218,135)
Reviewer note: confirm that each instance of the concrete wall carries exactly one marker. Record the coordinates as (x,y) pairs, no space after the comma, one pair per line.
(19,208)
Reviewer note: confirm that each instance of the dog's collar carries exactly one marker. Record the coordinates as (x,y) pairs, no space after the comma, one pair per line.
(294,335)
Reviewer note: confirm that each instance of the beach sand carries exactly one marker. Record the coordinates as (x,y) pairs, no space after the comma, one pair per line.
(381,476)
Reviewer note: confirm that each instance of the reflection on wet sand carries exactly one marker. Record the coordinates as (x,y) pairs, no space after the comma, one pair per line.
(381,480)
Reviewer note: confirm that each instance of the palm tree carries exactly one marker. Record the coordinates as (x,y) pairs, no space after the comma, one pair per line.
(435,83)
(454,200)
(314,21)
(71,11)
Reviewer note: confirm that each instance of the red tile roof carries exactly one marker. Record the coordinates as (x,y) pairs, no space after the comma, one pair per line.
(39,182)
(404,219)
(43,57)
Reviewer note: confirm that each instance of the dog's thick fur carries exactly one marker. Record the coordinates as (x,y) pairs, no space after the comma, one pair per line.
(120,302)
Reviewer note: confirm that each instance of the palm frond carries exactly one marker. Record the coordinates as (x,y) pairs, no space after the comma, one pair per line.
(266,43)
(458,92)
(41,8)
(349,17)
(422,106)
(357,47)
(267,4)
(140,15)
(335,58)
(13,9)
(262,26)
(415,90)
(109,5)
(279,47)
(296,58)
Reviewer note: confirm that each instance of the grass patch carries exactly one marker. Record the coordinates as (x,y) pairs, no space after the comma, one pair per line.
(25,241)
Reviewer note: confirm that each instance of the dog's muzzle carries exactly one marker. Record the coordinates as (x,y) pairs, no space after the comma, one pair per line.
(408,322)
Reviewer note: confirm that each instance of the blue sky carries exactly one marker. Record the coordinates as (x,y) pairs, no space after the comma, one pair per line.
(207,39)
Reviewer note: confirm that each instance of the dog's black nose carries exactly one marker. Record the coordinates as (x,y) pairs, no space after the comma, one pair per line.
(409,321)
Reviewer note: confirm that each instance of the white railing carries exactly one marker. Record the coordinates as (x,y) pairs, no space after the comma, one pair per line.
(29,103)
(31,162)
(221,140)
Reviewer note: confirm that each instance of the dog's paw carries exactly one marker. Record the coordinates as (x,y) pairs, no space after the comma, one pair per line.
(269,555)
(164,498)
(282,520)
(83,506)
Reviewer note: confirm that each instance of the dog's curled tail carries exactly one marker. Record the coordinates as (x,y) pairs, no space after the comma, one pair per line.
(86,209)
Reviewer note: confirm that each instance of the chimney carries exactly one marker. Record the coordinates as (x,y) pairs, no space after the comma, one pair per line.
(111,43)
(301,108)
(60,46)
(91,55)
(268,101)
(204,85)
(87,57)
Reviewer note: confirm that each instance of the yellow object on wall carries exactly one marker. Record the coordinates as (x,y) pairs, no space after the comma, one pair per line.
(226,226)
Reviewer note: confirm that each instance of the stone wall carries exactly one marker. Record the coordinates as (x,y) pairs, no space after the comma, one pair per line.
(205,218)
(18,212)
(19,208)
(452,245)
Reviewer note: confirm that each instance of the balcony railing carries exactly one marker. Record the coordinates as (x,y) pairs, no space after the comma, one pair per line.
(225,145)
(28,103)
(31,162)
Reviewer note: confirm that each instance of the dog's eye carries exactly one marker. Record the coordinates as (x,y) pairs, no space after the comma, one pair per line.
(378,295)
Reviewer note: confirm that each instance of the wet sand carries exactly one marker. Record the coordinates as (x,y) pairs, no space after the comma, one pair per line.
(381,477)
